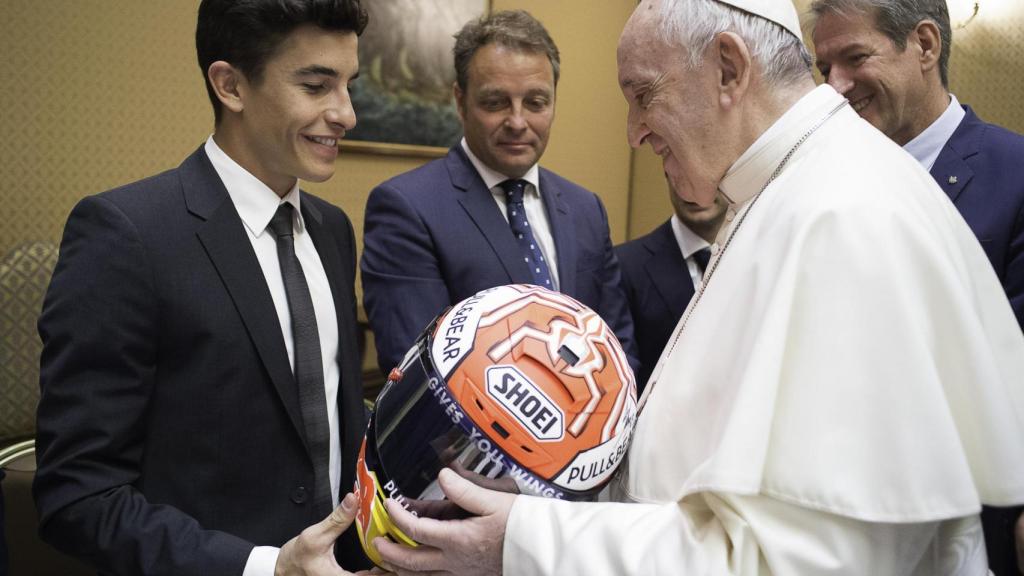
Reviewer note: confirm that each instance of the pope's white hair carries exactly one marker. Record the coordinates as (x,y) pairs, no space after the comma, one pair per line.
(694,24)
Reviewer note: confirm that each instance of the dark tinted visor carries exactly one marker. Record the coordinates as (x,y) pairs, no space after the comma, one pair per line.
(418,429)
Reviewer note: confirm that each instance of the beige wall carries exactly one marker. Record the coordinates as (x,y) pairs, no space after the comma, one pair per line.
(987,63)
(986,71)
(92,95)
(97,93)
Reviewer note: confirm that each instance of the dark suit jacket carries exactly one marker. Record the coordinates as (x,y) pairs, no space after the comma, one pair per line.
(981,168)
(986,166)
(658,286)
(434,236)
(170,438)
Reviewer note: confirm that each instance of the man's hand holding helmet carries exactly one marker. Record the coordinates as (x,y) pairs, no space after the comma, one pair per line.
(452,546)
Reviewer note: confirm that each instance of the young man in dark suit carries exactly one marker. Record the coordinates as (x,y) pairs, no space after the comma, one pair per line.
(663,269)
(890,58)
(487,214)
(201,400)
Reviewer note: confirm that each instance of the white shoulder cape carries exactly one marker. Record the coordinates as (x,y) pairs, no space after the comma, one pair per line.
(853,352)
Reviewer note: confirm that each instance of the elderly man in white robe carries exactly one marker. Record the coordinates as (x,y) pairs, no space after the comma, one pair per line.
(843,393)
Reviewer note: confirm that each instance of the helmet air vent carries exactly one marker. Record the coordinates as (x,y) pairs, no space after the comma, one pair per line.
(568,355)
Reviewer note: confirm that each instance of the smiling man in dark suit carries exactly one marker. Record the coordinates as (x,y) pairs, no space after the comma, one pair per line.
(487,214)
(890,58)
(201,396)
(662,270)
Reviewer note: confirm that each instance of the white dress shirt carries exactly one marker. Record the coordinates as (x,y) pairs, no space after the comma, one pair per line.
(532,203)
(689,244)
(925,147)
(256,205)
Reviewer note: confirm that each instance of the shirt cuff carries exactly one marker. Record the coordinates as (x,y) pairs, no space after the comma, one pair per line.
(262,561)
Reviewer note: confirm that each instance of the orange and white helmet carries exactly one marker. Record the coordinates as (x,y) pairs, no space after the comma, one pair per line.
(517,388)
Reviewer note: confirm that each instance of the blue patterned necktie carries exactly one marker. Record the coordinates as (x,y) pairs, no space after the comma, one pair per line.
(532,255)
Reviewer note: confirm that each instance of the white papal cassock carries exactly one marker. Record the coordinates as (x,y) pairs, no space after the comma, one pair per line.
(841,399)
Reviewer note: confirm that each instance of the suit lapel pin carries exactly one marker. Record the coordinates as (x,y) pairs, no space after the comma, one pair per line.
(952,179)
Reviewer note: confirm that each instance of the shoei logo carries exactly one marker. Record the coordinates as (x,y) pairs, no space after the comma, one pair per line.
(524,400)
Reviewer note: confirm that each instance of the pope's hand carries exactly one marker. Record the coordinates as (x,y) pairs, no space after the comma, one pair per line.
(468,547)
(311,553)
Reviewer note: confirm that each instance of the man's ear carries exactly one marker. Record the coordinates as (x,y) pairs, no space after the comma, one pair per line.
(227,84)
(926,35)
(460,101)
(729,52)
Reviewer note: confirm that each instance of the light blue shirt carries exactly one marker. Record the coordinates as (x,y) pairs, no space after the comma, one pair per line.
(925,147)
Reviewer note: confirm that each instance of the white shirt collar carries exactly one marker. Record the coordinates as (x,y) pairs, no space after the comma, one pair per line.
(688,240)
(255,202)
(751,171)
(926,146)
(493,178)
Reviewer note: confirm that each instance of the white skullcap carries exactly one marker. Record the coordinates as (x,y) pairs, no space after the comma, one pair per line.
(782,12)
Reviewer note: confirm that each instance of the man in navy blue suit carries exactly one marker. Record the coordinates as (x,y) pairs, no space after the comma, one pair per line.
(486,214)
(663,269)
(890,58)
(201,404)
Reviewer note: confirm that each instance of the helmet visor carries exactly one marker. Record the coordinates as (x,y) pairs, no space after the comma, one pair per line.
(417,429)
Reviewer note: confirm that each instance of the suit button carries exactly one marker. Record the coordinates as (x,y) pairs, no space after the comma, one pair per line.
(299,495)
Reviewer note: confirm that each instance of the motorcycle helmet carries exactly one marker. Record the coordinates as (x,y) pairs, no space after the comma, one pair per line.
(516,388)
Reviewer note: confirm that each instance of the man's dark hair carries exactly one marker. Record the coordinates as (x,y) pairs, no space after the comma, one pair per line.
(515,29)
(896,19)
(247,33)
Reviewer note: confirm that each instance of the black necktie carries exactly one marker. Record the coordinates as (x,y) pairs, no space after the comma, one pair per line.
(524,236)
(701,257)
(309,371)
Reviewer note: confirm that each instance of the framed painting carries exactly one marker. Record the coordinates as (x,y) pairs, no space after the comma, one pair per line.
(403,96)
